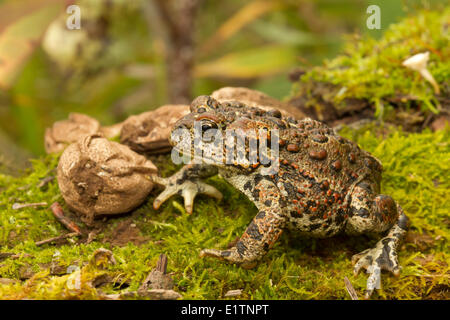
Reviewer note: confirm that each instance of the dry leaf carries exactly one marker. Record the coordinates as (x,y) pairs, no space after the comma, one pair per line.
(149,132)
(97,176)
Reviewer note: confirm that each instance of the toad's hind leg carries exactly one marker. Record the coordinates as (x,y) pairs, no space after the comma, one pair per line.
(377,215)
(261,233)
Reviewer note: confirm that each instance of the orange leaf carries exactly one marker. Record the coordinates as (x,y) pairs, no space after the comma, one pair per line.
(19,39)
(13,10)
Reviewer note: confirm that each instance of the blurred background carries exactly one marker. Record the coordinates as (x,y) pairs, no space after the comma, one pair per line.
(131,56)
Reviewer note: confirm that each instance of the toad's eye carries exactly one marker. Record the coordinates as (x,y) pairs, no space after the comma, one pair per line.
(207,124)
(201,110)
(274,113)
(212,103)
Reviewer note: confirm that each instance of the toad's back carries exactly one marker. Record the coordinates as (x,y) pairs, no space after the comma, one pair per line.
(318,170)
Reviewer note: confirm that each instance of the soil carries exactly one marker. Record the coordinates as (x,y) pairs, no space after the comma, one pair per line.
(440,292)
(126,231)
(317,105)
(422,241)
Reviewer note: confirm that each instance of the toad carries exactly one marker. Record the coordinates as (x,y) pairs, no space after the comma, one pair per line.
(323,184)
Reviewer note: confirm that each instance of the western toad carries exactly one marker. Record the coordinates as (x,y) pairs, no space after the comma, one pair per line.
(324,185)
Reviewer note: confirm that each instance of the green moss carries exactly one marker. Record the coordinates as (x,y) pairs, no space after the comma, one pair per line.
(416,175)
(371,70)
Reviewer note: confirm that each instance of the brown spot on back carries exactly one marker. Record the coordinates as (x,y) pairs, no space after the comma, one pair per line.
(292,147)
(319,138)
(318,155)
(325,185)
(337,165)
(352,158)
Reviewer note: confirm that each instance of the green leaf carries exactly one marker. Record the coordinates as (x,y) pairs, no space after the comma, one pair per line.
(289,36)
(249,63)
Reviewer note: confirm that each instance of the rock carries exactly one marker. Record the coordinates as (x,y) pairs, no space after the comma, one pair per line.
(6,281)
(98,177)
(112,131)
(65,132)
(77,126)
(233,293)
(154,294)
(26,272)
(161,294)
(256,98)
(149,132)
(158,279)
(114,296)
(56,268)
(440,123)
(102,258)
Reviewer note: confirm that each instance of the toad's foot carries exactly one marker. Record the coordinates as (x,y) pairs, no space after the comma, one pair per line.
(260,235)
(188,189)
(382,257)
(232,255)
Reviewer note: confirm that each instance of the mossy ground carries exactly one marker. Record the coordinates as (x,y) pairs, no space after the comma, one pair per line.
(416,174)
(370,71)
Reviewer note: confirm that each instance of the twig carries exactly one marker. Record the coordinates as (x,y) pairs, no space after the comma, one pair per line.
(178,25)
(5,255)
(64,236)
(161,265)
(59,214)
(351,291)
(167,17)
(45,182)
(17,206)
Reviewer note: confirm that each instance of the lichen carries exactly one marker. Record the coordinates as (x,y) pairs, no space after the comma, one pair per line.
(416,175)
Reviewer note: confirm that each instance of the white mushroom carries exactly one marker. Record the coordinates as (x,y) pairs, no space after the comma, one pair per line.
(418,63)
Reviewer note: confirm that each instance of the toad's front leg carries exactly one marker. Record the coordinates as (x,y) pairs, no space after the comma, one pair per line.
(377,215)
(383,256)
(187,183)
(261,233)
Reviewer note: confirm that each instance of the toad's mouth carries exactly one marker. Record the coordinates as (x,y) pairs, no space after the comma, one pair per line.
(224,160)
(197,157)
